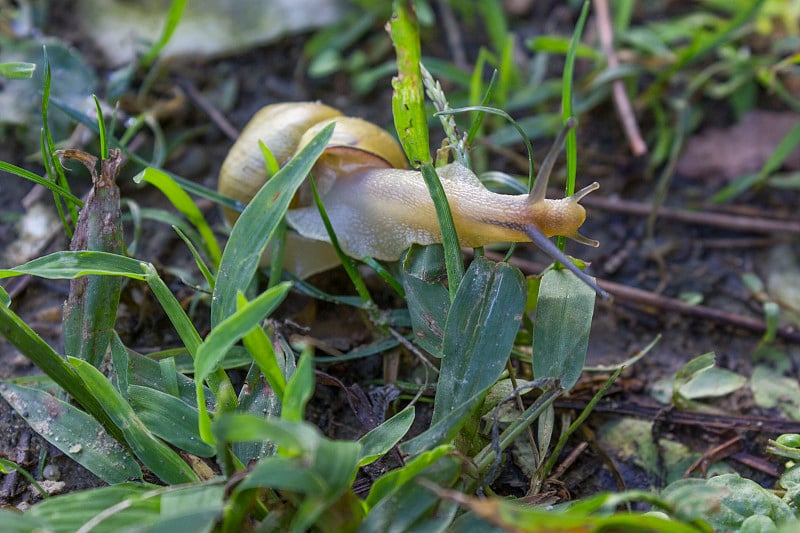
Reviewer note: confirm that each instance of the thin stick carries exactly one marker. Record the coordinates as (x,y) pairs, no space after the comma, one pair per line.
(621,101)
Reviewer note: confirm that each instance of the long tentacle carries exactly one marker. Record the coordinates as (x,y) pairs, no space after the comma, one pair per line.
(547,246)
(543,177)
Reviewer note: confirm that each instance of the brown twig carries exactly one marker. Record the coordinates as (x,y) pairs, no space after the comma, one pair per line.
(648,299)
(705,218)
(715,454)
(453,34)
(620,96)
(213,113)
(687,418)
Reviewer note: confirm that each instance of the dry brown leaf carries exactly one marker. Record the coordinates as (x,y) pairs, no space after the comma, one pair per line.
(724,154)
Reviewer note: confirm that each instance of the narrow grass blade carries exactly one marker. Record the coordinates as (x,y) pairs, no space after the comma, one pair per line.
(347,262)
(153,453)
(183,203)
(408,99)
(35,178)
(255,227)
(69,512)
(17,70)
(299,388)
(391,482)
(173,18)
(453,258)
(293,438)
(6,467)
(198,259)
(383,438)
(261,349)
(228,332)
(222,337)
(53,166)
(68,265)
(412,508)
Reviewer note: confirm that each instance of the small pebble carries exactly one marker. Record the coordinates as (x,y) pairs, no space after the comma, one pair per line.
(52,473)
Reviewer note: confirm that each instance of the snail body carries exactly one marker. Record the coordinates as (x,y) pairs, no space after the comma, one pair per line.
(379,208)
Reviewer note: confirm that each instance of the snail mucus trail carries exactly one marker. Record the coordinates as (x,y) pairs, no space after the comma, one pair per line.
(377,206)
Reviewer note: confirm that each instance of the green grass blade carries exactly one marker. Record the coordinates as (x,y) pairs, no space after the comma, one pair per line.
(169,418)
(561,332)
(53,186)
(478,337)
(347,262)
(222,338)
(299,388)
(453,259)
(74,432)
(6,467)
(412,508)
(198,259)
(32,346)
(383,438)
(411,123)
(479,332)
(68,265)
(567,100)
(173,18)
(255,227)
(391,482)
(70,512)
(293,438)
(52,164)
(17,70)
(154,454)
(261,349)
(236,326)
(101,126)
(183,203)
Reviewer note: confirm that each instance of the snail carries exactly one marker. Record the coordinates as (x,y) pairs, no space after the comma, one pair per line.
(377,206)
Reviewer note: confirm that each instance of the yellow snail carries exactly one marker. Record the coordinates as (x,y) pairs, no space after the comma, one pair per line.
(377,207)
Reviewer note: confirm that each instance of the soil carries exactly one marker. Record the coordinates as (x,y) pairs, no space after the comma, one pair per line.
(683,258)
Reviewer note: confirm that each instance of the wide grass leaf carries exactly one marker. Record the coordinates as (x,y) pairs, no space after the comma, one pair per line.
(478,336)
(32,346)
(74,432)
(153,453)
(561,331)
(413,508)
(69,512)
(169,418)
(132,507)
(428,299)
